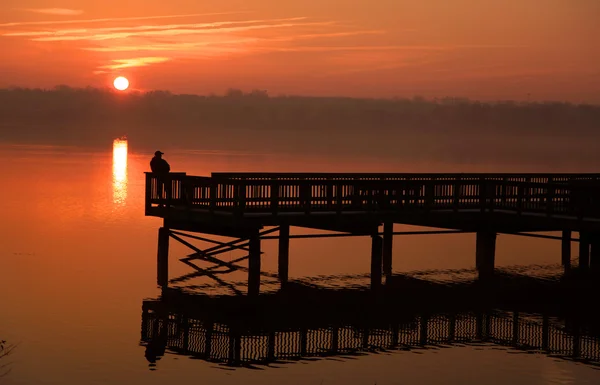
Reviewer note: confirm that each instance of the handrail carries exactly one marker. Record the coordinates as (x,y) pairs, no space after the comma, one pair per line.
(337,193)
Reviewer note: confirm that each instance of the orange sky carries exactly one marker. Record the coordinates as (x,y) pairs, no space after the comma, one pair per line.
(486,49)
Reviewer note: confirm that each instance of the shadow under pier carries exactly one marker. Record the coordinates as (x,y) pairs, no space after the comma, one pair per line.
(303,322)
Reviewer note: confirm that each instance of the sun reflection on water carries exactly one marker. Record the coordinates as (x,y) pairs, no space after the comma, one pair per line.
(119,171)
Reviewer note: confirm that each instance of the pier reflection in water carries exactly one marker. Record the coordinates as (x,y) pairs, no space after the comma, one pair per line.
(525,314)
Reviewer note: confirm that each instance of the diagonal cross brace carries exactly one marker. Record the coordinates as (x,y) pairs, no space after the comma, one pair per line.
(222,247)
(221,244)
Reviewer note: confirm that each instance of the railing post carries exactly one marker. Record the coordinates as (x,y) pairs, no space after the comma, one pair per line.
(429,194)
(490,195)
(457,193)
(504,186)
(213,194)
(241,189)
(187,191)
(274,197)
(528,190)
(340,197)
(550,199)
(482,194)
(520,198)
(329,194)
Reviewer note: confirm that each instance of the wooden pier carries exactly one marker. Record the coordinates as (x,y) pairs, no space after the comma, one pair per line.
(250,206)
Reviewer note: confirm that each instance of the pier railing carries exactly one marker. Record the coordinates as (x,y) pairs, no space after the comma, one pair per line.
(245,193)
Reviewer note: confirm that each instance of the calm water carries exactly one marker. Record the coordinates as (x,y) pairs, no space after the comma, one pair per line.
(78,257)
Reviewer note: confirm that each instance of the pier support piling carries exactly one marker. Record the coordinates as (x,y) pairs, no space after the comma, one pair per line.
(584,250)
(485,253)
(376,255)
(162,268)
(595,252)
(388,237)
(566,250)
(254,265)
(284,254)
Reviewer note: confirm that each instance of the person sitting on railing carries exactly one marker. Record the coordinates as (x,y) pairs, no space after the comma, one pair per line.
(161,168)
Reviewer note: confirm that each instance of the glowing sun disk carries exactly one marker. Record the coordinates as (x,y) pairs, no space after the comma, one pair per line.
(121,83)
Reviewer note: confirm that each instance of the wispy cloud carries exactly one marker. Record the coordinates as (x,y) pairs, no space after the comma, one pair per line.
(83,33)
(357,48)
(114,19)
(172,46)
(169,32)
(259,43)
(135,62)
(159,41)
(55,11)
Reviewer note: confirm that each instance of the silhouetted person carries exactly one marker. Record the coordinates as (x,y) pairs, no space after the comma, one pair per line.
(161,168)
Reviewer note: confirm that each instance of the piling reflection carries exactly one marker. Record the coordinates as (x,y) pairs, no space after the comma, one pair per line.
(120,171)
(304,323)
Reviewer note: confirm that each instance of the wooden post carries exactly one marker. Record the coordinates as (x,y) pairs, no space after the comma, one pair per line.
(235,348)
(388,237)
(284,256)
(335,339)
(254,265)
(303,342)
(271,347)
(186,334)
(516,337)
(566,250)
(208,339)
(365,338)
(479,325)
(584,250)
(162,270)
(485,253)
(423,329)
(545,333)
(451,327)
(595,253)
(376,254)
(395,334)
(576,340)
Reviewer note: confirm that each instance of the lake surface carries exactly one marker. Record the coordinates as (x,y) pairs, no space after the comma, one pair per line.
(78,257)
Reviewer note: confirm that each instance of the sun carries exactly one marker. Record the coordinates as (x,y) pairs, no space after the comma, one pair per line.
(121,83)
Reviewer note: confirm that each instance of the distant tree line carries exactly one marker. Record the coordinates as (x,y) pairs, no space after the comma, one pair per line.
(238,119)
(256,109)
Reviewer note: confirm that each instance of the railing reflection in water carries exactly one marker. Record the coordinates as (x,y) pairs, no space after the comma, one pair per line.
(263,344)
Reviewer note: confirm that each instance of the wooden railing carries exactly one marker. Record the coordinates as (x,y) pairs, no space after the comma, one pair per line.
(549,194)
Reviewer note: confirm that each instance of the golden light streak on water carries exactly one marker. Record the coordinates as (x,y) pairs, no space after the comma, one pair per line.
(119,171)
